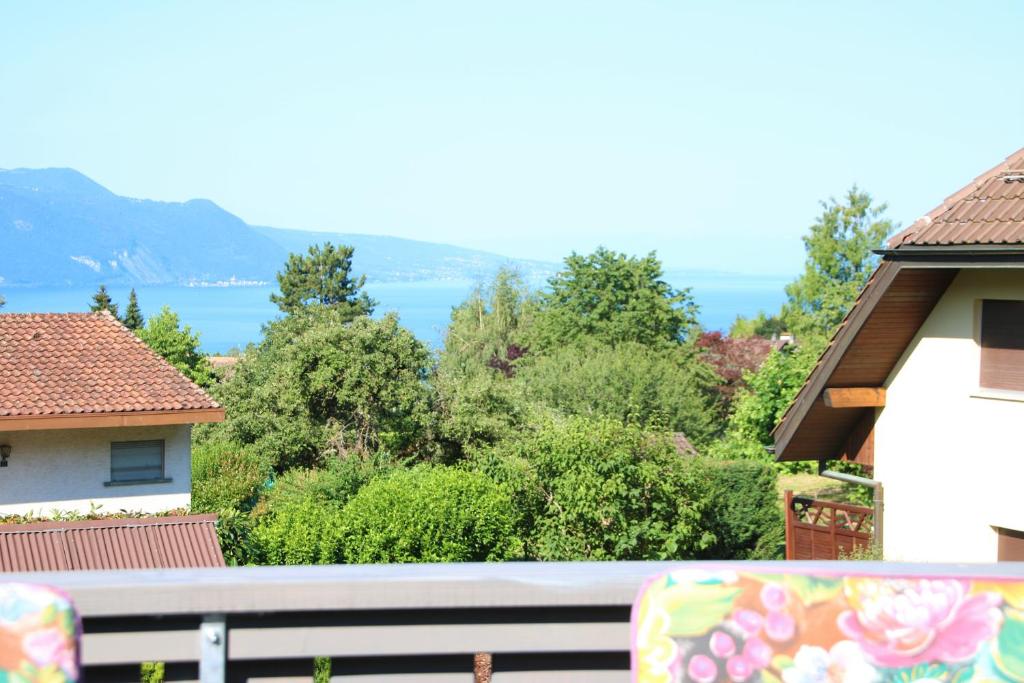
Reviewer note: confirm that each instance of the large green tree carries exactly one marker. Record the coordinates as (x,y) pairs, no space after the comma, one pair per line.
(609,297)
(133,319)
(322,277)
(839,262)
(101,301)
(178,345)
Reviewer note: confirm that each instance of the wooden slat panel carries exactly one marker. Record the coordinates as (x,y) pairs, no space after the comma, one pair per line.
(854,397)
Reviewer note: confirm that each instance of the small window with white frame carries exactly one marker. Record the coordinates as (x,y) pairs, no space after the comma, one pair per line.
(137,462)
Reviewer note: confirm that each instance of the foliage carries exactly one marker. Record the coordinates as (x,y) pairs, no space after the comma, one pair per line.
(226,476)
(101,302)
(601,490)
(431,513)
(759,407)
(761,325)
(322,278)
(133,319)
(732,358)
(865,553)
(839,263)
(333,484)
(151,672)
(475,402)
(318,385)
(743,510)
(303,532)
(609,298)
(664,387)
(179,347)
(235,534)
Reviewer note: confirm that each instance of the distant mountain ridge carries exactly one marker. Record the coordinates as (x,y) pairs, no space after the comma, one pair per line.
(60,228)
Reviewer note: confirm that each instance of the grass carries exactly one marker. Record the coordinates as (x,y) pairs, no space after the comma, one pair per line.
(813,486)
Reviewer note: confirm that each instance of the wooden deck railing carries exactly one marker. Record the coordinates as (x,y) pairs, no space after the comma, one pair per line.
(415,623)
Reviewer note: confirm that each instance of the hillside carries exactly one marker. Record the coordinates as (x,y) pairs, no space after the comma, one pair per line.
(60,228)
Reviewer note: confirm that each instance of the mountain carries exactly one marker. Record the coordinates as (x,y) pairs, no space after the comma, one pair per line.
(60,228)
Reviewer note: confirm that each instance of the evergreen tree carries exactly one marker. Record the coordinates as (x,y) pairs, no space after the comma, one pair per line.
(322,278)
(101,302)
(133,319)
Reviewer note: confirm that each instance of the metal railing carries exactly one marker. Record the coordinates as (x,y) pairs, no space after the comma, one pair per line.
(417,623)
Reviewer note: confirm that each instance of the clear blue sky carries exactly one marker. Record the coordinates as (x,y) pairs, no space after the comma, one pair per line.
(707,131)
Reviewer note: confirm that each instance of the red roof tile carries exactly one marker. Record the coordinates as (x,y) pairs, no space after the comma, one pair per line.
(143,543)
(988,211)
(85,363)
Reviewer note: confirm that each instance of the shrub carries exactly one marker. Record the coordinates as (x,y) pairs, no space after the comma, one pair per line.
(226,476)
(333,484)
(608,491)
(431,514)
(743,510)
(302,532)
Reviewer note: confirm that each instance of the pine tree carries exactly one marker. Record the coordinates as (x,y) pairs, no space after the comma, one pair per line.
(101,302)
(133,319)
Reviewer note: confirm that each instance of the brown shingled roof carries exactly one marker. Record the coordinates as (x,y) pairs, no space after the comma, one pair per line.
(85,363)
(142,543)
(987,211)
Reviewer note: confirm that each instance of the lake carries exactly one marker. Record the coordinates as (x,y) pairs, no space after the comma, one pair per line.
(228,317)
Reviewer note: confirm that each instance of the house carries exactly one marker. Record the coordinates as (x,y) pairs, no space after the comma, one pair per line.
(91,417)
(924,380)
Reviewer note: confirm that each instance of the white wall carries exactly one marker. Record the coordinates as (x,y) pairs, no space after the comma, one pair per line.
(951,463)
(66,470)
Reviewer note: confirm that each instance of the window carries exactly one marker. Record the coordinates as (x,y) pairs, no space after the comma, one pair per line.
(1002,345)
(136,461)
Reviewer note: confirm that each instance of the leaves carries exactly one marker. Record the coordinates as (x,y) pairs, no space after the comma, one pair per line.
(695,608)
(322,278)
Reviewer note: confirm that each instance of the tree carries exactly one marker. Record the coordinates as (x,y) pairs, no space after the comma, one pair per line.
(761,325)
(101,302)
(838,265)
(322,278)
(165,335)
(609,298)
(732,358)
(133,319)
(431,513)
(595,489)
(318,385)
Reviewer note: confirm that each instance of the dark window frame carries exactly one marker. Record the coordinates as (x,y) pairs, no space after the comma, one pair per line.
(1001,345)
(162,479)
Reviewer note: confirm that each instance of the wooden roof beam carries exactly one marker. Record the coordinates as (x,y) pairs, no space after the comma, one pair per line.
(855,397)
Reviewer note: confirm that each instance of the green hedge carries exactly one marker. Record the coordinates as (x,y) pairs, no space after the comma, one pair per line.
(226,476)
(742,509)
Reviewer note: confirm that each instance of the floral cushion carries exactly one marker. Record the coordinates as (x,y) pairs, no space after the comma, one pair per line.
(692,625)
(39,633)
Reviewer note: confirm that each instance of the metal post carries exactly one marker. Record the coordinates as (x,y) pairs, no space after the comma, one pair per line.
(213,648)
(876,486)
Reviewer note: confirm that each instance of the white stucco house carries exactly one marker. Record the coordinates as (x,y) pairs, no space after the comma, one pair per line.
(924,381)
(91,417)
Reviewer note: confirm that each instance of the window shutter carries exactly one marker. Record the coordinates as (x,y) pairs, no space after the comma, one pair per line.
(136,460)
(1002,345)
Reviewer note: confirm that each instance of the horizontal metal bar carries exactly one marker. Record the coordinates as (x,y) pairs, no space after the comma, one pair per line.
(145,646)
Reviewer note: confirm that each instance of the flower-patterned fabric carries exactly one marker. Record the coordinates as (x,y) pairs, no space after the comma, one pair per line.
(705,627)
(39,634)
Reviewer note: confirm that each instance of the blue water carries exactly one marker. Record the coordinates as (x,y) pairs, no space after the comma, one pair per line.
(228,317)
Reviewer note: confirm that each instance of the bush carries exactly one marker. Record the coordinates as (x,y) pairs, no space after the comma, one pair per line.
(431,514)
(226,476)
(333,484)
(743,510)
(303,532)
(607,491)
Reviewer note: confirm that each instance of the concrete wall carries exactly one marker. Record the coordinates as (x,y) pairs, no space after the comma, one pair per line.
(66,470)
(949,455)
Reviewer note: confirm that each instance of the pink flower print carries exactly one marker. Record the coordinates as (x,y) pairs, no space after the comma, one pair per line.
(844,663)
(739,668)
(779,626)
(722,645)
(773,597)
(748,621)
(50,646)
(702,669)
(757,652)
(902,622)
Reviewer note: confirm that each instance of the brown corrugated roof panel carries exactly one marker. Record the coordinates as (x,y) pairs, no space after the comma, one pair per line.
(141,543)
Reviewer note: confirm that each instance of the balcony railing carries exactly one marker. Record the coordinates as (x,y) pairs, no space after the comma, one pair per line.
(415,623)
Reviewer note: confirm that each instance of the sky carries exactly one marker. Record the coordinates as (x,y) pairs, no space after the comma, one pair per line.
(707,131)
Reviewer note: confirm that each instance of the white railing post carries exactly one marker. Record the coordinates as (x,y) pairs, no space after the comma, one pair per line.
(213,648)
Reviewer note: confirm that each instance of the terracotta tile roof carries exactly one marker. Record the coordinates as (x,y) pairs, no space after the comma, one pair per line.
(988,211)
(143,543)
(85,363)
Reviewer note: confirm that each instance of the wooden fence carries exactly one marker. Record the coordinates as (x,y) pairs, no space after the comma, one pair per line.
(821,530)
